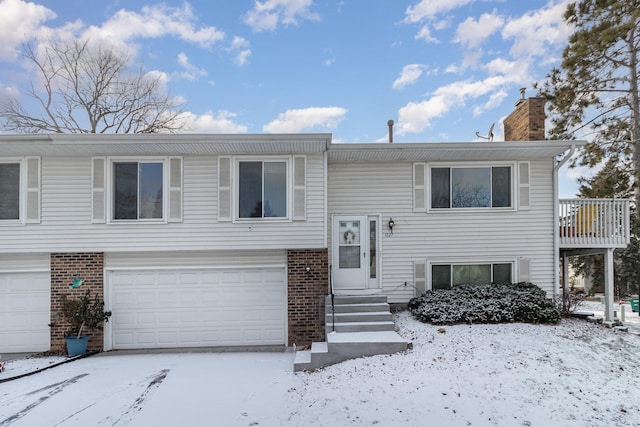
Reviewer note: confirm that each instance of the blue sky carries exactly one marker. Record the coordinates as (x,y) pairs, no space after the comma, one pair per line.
(441,69)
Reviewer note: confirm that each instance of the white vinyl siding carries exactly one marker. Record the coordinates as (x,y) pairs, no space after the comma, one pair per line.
(68,222)
(463,235)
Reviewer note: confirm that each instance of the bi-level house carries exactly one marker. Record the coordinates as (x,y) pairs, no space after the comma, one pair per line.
(236,240)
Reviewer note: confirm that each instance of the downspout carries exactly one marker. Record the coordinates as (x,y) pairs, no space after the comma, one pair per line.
(556,222)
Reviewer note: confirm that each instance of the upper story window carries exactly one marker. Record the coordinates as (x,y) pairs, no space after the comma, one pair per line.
(10,191)
(138,190)
(20,190)
(127,190)
(265,188)
(439,187)
(471,187)
(262,189)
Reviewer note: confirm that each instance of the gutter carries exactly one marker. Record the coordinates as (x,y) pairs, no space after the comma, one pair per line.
(556,221)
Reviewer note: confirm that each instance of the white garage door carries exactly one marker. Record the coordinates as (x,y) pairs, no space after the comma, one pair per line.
(197,308)
(24,312)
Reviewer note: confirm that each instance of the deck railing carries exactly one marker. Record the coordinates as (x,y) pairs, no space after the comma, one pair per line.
(594,223)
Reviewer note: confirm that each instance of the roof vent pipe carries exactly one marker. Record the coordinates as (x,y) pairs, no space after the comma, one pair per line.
(390,124)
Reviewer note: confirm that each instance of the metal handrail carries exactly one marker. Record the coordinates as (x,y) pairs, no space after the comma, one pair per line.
(333,307)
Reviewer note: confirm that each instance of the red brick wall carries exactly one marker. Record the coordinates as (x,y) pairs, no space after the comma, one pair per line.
(64,267)
(306,294)
(526,122)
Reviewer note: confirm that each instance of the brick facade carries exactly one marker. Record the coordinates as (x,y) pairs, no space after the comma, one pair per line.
(526,122)
(306,295)
(64,267)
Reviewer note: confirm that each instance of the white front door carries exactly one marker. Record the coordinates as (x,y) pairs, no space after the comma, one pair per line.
(350,247)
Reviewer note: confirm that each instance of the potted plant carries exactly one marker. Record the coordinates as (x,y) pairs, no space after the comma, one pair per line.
(84,312)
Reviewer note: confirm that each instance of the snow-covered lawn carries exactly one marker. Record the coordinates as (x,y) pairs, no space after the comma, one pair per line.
(573,374)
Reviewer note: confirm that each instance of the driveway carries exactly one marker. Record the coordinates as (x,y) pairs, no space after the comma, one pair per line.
(153,389)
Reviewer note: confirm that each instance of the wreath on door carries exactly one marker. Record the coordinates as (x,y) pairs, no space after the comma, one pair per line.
(349,236)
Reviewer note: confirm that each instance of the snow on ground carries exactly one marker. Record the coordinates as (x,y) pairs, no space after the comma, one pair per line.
(14,368)
(573,374)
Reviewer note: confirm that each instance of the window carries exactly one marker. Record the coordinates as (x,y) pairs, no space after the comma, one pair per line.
(10,191)
(471,187)
(20,190)
(138,190)
(262,189)
(444,276)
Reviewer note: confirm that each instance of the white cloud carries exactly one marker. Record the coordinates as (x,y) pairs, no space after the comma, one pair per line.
(409,75)
(472,33)
(240,48)
(191,72)
(303,119)
(416,116)
(494,101)
(268,14)
(156,21)
(19,22)
(535,31)
(7,93)
(425,34)
(427,9)
(212,122)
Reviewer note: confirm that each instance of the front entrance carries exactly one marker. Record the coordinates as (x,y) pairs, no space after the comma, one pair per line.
(355,252)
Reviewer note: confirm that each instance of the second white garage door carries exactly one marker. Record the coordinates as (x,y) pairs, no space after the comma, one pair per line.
(197,308)
(24,311)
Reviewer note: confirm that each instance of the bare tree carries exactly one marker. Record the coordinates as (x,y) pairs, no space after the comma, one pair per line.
(80,89)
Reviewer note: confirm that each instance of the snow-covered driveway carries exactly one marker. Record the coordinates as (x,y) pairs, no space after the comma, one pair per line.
(575,374)
(186,389)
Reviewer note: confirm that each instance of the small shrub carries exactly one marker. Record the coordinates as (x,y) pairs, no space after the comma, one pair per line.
(570,301)
(84,312)
(498,303)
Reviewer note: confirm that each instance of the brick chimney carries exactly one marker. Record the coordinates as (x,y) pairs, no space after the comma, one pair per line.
(526,122)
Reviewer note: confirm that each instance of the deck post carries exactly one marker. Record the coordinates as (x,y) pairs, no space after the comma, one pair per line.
(608,284)
(565,281)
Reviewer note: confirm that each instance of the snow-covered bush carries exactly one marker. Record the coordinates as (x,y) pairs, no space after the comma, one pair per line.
(498,303)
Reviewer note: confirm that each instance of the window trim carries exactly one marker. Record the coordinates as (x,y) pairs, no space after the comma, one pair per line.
(110,189)
(430,263)
(512,165)
(288,160)
(29,190)
(22,190)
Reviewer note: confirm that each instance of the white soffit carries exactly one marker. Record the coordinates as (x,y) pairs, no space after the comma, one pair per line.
(434,152)
(161,144)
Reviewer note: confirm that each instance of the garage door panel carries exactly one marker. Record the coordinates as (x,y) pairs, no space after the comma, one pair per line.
(24,311)
(185,308)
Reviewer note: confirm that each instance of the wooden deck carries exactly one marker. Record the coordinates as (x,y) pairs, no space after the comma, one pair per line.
(594,223)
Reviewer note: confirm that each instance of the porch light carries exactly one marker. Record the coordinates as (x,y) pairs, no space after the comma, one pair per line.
(391,224)
(307,269)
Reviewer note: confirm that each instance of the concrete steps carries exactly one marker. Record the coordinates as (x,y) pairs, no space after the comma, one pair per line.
(359,326)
